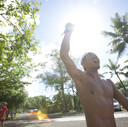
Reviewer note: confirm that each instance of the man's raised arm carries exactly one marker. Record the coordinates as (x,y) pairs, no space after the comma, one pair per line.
(65,47)
(64,54)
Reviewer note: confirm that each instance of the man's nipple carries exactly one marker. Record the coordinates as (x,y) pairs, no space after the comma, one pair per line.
(92,92)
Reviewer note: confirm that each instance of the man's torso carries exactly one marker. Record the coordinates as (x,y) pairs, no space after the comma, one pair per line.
(96,96)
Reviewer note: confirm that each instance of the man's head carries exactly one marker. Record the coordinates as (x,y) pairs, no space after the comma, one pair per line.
(90,61)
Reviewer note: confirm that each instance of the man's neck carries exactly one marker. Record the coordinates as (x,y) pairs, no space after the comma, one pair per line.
(93,74)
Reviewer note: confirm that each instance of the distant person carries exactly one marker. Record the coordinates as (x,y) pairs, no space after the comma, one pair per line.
(3,109)
(12,114)
(96,94)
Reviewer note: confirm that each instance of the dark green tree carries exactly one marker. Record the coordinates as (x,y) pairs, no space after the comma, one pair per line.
(14,98)
(37,102)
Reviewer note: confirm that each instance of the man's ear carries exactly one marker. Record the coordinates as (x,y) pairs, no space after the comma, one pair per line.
(83,63)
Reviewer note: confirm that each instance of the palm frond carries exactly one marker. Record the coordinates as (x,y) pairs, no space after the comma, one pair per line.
(110,34)
(126,74)
(115,42)
(120,48)
(126,61)
(125,67)
(117,21)
(120,35)
(112,65)
(107,66)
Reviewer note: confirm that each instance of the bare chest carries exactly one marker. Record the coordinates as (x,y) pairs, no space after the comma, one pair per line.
(93,88)
(98,87)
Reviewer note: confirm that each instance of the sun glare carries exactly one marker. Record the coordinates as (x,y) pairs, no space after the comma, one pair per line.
(87,31)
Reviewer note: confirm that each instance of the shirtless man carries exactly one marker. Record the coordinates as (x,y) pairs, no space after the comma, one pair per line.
(96,94)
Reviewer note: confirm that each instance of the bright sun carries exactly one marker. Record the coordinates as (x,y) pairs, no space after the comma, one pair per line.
(87,31)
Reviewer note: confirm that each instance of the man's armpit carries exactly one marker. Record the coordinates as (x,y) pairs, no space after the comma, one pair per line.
(71,67)
(72,70)
(77,77)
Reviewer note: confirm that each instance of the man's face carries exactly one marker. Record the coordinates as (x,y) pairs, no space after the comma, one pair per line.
(91,61)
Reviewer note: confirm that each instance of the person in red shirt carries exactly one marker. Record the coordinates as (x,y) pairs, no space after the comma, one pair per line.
(3,109)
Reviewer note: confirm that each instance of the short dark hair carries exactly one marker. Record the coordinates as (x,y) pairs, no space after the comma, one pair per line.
(84,57)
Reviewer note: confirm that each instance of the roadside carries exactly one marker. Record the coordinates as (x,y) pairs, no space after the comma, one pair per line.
(59,115)
(122,122)
(60,120)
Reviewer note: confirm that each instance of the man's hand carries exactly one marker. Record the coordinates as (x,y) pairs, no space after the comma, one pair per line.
(69,27)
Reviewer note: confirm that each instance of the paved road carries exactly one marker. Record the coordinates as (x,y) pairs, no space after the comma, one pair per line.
(77,120)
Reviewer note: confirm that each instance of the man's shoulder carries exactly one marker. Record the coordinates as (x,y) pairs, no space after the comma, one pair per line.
(82,73)
(78,78)
(109,81)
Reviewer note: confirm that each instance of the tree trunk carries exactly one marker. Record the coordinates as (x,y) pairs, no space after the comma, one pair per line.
(7,113)
(63,98)
(120,81)
(74,98)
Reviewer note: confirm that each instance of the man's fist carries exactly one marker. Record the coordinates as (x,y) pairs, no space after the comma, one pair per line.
(69,27)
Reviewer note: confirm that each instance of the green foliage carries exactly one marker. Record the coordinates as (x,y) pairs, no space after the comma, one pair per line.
(115,69)
(58,74)
(17,23)
(38,102)
(119,43)
(120,35)
(124,70)
(58,104)
(57,77)
(125,92)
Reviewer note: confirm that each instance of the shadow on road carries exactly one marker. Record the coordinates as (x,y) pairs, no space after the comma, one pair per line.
(18,124)
(26,123)
(61,115)
(26,120)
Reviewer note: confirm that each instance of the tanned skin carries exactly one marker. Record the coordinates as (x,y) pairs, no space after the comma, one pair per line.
(96,94)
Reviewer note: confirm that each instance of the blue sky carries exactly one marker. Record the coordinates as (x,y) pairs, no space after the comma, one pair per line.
(90,18)
(53,12)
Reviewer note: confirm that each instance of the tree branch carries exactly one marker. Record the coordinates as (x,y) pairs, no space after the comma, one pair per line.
(11,23)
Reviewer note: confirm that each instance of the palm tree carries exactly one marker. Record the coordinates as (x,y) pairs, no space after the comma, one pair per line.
(125,82)
(120,35)
(125,68)
(114,70)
